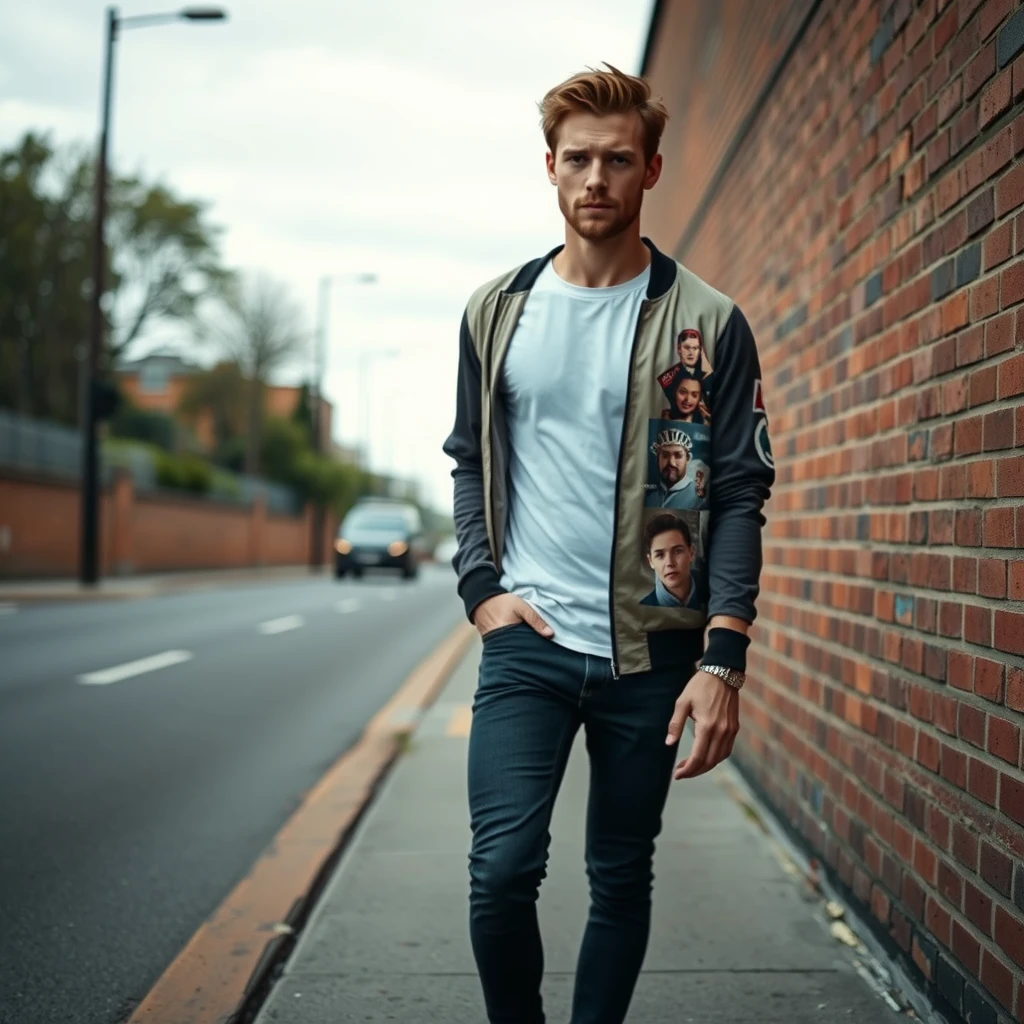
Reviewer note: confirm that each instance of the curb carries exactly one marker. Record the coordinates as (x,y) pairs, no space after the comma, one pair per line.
(224,971)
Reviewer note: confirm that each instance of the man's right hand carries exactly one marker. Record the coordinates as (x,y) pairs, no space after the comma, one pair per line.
(507,610)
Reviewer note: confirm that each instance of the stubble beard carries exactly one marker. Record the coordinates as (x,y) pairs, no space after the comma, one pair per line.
(599,230)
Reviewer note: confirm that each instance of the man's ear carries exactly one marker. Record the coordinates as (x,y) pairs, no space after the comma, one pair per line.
(549,162)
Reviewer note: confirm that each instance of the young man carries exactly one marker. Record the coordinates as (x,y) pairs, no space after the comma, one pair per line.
(558,403)
(670,553)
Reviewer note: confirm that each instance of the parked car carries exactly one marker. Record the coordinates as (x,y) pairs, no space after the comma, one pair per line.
(379,534)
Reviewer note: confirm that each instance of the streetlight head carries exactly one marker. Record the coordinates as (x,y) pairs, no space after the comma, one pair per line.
(204,14)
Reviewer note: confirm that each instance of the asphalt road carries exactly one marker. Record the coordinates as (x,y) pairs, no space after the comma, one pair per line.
(133,799)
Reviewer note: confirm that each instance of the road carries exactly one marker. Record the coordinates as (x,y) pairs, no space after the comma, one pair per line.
(151,749)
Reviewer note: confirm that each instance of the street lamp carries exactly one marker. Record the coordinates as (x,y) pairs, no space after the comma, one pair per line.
(93,399)
(316,552)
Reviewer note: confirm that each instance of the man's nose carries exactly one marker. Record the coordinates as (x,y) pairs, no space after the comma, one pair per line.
(597,178)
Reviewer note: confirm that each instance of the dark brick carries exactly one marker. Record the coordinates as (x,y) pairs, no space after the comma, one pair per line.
(968,264)
(977,1009)
(950,983)
(943,278)
(981,212)
(882,38)
(996,868)
(1010,40)
(873,287)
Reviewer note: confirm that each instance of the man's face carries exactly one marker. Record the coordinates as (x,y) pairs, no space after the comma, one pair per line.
(672,462)
(698,481)
(689,352)
(600,171)
(671,557)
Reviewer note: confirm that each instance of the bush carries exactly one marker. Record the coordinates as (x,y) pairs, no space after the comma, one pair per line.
(139,425)
(183,473)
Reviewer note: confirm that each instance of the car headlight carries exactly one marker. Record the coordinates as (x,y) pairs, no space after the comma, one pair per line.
(342,546)
(399,547)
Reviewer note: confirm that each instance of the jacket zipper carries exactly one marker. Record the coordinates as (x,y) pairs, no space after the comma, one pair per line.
(618,484)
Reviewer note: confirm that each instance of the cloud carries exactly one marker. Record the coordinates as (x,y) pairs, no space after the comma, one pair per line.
(398,137)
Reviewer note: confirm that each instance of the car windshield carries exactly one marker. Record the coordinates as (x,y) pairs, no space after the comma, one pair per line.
(367,520)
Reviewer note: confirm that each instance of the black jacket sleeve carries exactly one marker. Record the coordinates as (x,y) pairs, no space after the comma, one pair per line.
(742,474)
(474,561)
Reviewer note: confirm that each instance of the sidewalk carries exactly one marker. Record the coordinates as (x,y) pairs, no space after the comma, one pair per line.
(112,588)
(733,939)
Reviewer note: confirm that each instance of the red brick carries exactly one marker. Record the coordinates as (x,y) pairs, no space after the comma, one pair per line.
(1010,379)
(996,977)
(1009,632)
(1016,581)
(992,15)
(971,725)
(1011,285)
(998,246)
(978,625)
(992,577)
(1004,740)
(979,70)
(977,908)
(1011,798)
(937,920)
(982,781)
(995,99)
(1009,933)
(998,531)
(988,679)
(999,334)
(997,869)
(965,846)
(1015,688)
(966,948)
(1010,191)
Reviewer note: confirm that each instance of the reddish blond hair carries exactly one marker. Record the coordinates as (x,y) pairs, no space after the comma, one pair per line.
(603,93)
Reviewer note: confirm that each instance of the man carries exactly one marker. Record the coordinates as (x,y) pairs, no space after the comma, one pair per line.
(674,489)
(690,350)
(670,553)
(554,400)
(699,472)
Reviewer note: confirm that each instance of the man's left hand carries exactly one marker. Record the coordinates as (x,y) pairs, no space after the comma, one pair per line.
(714,706)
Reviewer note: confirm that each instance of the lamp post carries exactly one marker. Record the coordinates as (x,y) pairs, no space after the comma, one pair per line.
(92,396)
(316,550)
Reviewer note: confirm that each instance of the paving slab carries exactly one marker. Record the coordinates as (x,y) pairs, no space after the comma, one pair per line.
(734,938)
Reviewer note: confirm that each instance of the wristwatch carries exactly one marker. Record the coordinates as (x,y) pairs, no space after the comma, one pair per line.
(732,676)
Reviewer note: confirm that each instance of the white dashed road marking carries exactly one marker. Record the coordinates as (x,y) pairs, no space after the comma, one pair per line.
(282,625)
(106,676)
(349,605)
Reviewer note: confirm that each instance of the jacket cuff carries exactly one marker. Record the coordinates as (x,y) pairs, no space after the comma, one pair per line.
(728,648)
(477,586)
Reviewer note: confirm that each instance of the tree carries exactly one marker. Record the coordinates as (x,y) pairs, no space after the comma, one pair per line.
(222,394)
(162,260)
(260,327)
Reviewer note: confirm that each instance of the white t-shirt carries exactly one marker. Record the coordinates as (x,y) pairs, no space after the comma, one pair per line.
(564,382)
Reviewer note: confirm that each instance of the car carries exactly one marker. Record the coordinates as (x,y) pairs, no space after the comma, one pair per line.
(379,534)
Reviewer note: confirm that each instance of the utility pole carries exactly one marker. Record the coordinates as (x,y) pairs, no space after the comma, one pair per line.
(98,399)
(316,551)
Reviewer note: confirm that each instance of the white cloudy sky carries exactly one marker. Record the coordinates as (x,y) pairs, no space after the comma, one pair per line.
(398,136)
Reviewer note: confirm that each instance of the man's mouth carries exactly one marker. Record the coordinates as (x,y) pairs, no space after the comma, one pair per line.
(597,206)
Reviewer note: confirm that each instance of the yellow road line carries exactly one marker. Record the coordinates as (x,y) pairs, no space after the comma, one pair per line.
(461,720)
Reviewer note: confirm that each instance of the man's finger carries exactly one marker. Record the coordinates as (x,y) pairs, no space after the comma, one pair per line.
(678,721)
(693,765)
(531,618)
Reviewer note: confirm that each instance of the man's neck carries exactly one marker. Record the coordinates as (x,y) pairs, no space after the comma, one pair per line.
(602,264)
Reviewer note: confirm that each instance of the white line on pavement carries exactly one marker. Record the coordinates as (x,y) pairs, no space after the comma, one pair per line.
(349,605)
(134,668)
(282,625)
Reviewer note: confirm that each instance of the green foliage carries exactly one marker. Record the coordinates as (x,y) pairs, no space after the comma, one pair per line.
(184,473)
(136,424)
(162,259)
(222,393)
(303,414)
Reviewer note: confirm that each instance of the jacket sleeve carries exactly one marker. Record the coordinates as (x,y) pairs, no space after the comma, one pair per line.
(742,473)
(473,561)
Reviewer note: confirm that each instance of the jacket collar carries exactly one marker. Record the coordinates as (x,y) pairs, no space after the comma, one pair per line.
(663,271)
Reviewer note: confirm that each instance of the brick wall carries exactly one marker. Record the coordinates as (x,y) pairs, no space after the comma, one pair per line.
(870,222)
(39,519)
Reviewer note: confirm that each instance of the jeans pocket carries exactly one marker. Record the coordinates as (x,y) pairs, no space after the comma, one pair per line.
(498,630)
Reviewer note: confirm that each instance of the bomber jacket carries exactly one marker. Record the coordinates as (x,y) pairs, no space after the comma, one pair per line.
(723,443)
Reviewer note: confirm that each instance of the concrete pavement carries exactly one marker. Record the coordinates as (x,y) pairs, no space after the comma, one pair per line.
(734,938)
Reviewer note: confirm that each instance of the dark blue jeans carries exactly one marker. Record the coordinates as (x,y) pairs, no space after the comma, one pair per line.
(532,698)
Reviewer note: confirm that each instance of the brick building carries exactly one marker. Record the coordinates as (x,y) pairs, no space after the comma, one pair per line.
(851,172)
(158,382)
